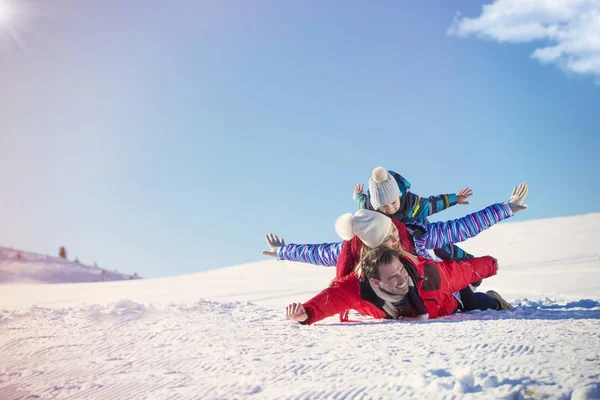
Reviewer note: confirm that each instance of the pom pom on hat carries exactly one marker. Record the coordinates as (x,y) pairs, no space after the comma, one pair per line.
(380,174)
(343,226)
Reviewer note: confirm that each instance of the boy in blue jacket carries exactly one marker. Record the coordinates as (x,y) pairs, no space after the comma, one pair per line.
(389,193)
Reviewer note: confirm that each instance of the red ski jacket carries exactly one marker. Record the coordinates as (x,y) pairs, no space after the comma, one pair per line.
(435,284)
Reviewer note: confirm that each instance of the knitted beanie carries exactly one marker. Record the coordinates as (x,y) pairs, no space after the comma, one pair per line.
(383,188)
(370,226)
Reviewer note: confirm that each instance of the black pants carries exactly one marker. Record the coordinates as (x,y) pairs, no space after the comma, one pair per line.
(477,301)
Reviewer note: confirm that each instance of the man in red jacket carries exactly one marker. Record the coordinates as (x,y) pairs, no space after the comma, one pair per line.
(392,287)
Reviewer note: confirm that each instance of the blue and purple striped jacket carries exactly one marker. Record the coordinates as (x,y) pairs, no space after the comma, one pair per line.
(426,236)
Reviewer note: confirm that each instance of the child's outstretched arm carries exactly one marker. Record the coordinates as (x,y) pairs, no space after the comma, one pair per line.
(325,254)
(362,200)
(422,207)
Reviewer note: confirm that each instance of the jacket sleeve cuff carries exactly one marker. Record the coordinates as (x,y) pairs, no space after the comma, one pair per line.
(307,321)
(280,253)
(507,209)
(452,199)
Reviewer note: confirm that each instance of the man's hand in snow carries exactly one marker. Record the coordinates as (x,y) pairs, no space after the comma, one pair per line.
(517,196)
(463,195)
(296,312)
(274,243)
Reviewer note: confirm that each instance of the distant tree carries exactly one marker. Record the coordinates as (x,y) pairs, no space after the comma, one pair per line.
(62,253)
(19,256)
(95,265)
(77,260)
(102,272)
(135,275)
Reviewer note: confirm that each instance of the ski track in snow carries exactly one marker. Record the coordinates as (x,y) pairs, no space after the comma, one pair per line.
(233,350)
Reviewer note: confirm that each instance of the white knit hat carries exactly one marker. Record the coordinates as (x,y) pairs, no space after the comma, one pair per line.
(370,226)
(383,188)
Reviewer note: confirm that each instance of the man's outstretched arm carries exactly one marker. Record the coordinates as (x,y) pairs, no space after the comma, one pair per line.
(341,296)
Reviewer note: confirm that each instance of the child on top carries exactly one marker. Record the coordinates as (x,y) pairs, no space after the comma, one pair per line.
(389,193)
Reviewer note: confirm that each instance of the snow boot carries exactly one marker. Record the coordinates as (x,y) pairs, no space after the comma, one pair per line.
(503,304)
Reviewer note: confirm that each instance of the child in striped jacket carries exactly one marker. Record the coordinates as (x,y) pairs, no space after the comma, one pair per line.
(389,193)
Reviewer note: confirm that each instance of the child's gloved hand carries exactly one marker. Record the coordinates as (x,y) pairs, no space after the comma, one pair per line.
(274,243)
(463,195)
(517,196)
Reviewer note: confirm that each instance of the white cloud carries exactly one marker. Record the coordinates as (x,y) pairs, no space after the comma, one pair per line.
(570,30)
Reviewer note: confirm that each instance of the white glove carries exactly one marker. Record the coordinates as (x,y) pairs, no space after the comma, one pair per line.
(516,198)
(274,243)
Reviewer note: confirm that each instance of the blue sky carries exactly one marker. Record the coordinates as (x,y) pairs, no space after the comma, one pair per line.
(170,138)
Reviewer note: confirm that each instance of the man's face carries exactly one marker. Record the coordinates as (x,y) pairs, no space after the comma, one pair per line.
(393,278)
(392,240)
(390,208)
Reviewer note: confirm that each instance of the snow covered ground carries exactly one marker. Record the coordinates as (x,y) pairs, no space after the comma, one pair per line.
(25,267)
(222,335)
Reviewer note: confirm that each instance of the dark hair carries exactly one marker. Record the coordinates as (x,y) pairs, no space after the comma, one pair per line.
(376,257)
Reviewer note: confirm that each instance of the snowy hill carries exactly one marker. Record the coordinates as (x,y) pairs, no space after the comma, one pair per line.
(18,266)
(222,334)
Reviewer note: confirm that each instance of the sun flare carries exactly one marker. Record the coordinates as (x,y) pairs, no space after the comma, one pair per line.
(5,12)
(14,15)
